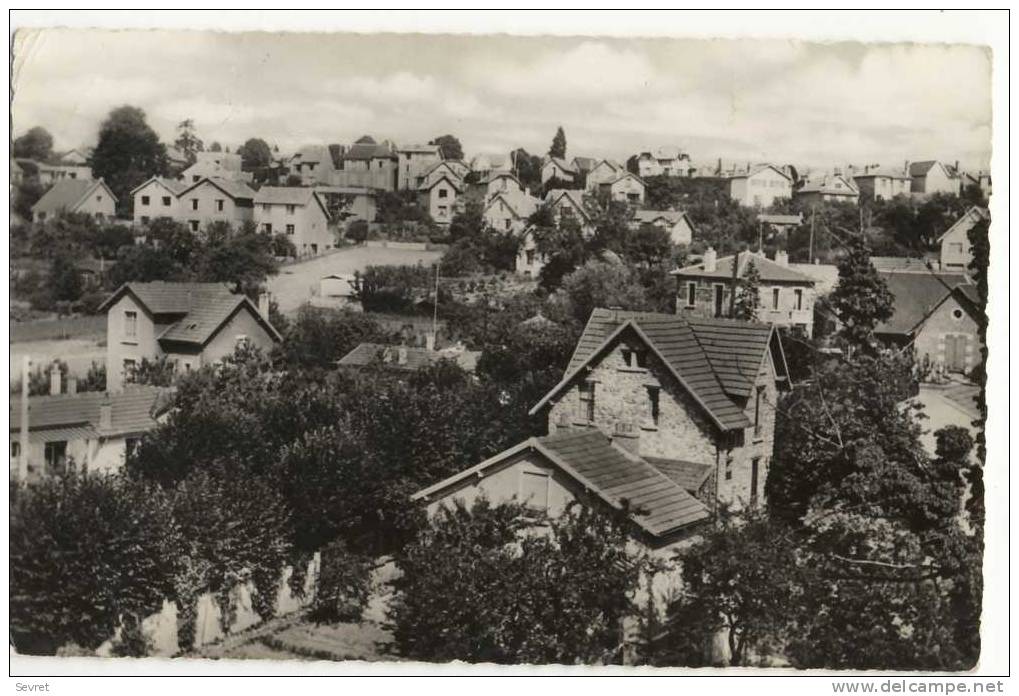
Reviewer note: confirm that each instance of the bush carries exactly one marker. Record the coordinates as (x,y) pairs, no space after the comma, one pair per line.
(344,585)
(357,231)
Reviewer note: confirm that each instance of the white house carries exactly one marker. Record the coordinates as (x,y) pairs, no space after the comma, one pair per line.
(216,200)
(158,197)
(299,213)
(664,161)
(413,162)
(569,203)
(932,176)
(760,186)
(602,171)
(442,197)
(956,250)
(509,210)
(676,222)
(557,168)
(832,189)
(82,196)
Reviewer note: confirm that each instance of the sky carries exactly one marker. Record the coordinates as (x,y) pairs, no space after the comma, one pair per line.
(741,100)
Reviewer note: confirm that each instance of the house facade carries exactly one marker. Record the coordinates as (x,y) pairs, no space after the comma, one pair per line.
(313,164)
(412,162)
(367,164)
(557,168)
(956,250)
(602,172)
(297,212)
(529,261)
(81,196)
(442,195)
(52,173)
(786,296)
(676,222)
(665,161)
(220,165)
(626,188)
(651,413)
(567,203)
(216,200)
(760,186)
(827,189)
(190,324)
(509,211)
(931,176)
(158,197)
(882,185)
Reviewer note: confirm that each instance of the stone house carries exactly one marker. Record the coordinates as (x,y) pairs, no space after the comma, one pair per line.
(786,296)
(412,163)
(827,189)
(216,200)
(602,171)
(878,184)
(676,222)
(931,176)
(81,196)
(313,164)
(442,194)
(760,186)
(557,168)
(299,213)
(665,161)
(158,197)
(509,210)
(190,324)
(956,251)
(672,413)
(626,187)
(367,164)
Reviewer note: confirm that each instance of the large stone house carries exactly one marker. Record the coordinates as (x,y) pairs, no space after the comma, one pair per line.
(759,186)
(216,200)
(81,196)
(878,184)
(412,163)
(190,324)
(158,197)
(931,176)
(676,222)
(299,213)
(665,161)
(626,188)
(786,296)
(671,414)
(367,164)
(313,164)
(956,250)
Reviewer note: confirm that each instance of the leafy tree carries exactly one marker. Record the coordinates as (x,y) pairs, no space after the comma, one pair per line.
(143,264)
(562,246)
(474,587)
(215,147)
(188,142)
(109,239)
(468,222)
(158,372)
(65,279)
(600,284)
(558,148)
(647,246)
(527,167)
(393,288)
(175,239)
(979,239)
(244,260)
(449,147)
(861,298)
(318,337)
(36,144)
(26,195)
(344,585)
(748,294)
(255,154)
(128,153)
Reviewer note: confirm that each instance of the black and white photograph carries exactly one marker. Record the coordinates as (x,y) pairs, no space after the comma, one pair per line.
(482,349)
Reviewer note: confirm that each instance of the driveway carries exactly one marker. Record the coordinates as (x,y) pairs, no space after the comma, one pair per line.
(296,283)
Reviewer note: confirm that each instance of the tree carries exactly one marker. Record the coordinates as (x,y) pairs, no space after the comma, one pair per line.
(128,153)
(244,259)
(558,148)
(255,154)
(36,144)
(157,372)
(318,337)
(188,142)
(142,263)
(861,299)
(600,284)
(109,240)
(527,167)
(748,294)
(468,222)
(26,195)
(65,279)
(215,147)
(979,239)
(449,147)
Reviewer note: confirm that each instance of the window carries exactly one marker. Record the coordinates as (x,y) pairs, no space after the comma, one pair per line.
(194,225)
(728,468)
(691,294)
(798,294)
(266,207)
(194,204)
(634,358)
(129,365)
(15,449)
(291,209)
(509,223)
(195,178)
(145,200)
(267,227)
(443,193)
(166,201)
(585,392)
(130,324)
(529,254)
(653,400)
(219,204)
(758,396)
(290,229)
(957,313)
(534,490)
(774,298)
(442,211)
(55,454)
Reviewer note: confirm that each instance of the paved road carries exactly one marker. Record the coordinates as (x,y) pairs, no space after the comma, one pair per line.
(295,284)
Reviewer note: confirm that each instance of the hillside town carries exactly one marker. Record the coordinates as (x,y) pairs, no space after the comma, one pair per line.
(374,399)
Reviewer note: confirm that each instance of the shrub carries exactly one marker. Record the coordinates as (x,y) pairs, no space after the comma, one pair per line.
(344,585)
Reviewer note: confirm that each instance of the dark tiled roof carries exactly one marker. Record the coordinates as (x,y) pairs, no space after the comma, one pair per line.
(769,271)
(208,313)
(162,297)
(916,296)
(132,411)
(175,186)
(65,195)
(650,216)
(690,475)
(234,189)
(921,168)
(366,151)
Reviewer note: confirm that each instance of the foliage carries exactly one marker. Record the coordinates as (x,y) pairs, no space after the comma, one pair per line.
(979,239)
(861,299)
(600,284)
(476,246)
(188,142)
(127,154)
(449,147)
(245,260)
(109,239)
(65,281)
(143,264)
(562,246)
(255,154)
(393,288)
(558,148)
(85,551)
(36,144)
(26,195)
(476,587)
(748,293)
(527,167)
(344,585)
(318,337)
(400,206)
(156,372)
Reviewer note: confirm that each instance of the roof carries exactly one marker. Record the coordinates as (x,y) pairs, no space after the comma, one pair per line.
(366,148)
(825,275)
(611,164)
(495,176)
(434,149)
(757,169)
(561,163)
(690,475)
(315,153)
(716,360)
(576,198)
(884,173)
(769,271)
(922,168)
(368,353)
(660,505)
(93,265)
(830,186)
(132,411)
(650,216)
(231,187)
(288,195)
(900,263)
(521,205)
(584,164)
(176,187)
(916,296)
(623,175)
(453,180)
(968,220)
(68,194)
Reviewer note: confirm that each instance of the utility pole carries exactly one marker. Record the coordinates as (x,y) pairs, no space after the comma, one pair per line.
(732,292)
(435,308)
(813,209)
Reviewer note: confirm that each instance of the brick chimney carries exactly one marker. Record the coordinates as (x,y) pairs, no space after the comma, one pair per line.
(72,385)
(54,379)
(710,259)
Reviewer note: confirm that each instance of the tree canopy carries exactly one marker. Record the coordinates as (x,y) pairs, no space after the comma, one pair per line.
(255,154)
(449,147)
(128,153)
(35,144)
(558,147)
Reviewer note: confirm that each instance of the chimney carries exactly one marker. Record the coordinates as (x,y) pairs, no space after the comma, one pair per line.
(905,168)
(54,379)
(402,355)
(72,385)
(106,414)
(710,259)
(263,305)
(430,341)
(782,257)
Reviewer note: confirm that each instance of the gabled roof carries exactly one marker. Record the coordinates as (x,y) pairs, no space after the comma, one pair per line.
(611,164)
(757,169)
(132,411)
(690,475)
(432,149)
(671,217)
(368,353)
(448,165)
(715,360)
(829,185)
(769,271)
(923,167)
(453,180)
(623,175)
(968,219)
(68,194)
(289,195)
(234,189)
(495,176)
(315,153)
(575,198)
(596,462)
(172,185)
(366,149)
(561,163)
(883,173)
(584,164)
(916,296)
(522,206)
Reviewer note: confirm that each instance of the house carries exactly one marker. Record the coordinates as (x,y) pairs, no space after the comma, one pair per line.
(935,313)
(158,197)
(485,164)
(665,161)
(367,164)
(81,196)
(509,210)
(981,181)
(931,176)
(779,224)
(569,204)
(215,165)
(673,414)
(956,250)
(339,290)
(601,172)
(73,157)
(786,296)
(529,260)
(444,168)
(760,186)
(190,324)
(583,165)
(502,182)
(349,204)
(299,213)
(89,431)
(827,189)
(51,173)
(442,197)
(557,168)
(313,164)
(216,200)
(413,161)
(626,187)
(177,160)
(93,271)
(408,358)
(881,184)
(676,222)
